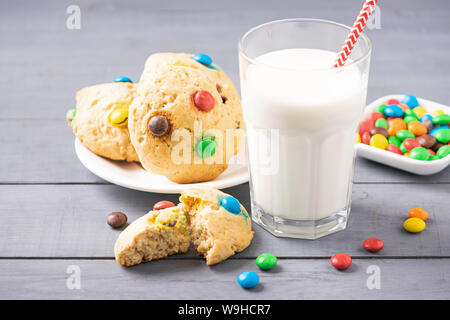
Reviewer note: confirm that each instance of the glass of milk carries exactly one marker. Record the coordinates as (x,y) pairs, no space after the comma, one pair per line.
(301,116)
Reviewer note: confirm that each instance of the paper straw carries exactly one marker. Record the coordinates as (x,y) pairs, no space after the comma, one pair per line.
(355,32)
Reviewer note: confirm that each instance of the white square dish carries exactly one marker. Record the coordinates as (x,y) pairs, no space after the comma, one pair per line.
(396,160)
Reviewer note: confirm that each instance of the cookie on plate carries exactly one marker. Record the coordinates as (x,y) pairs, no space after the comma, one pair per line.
(155,235)
(219,225)
(186,120)
(100,120)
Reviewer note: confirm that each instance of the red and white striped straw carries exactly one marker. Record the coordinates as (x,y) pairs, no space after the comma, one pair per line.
(355,32)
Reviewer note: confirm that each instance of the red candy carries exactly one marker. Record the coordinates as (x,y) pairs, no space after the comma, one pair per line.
(341,261)
(203,100)
(393,148)
(411,144)
(163,205)
(365,138)
(374,116)
(365,126)
(431,152)
(373,244)
(392,101)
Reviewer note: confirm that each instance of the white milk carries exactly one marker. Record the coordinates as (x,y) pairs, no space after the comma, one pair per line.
(314,114)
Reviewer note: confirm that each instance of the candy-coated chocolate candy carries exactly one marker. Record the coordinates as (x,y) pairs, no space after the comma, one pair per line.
(379,141)
(395,126)
(431,152)
(414,225)
(403,149)
(163,205)
(202,58)
(441,119)
(116,219)
(382,123)
(393,110)
(418,213)
(431,158)
(417,128)
(248,279)
(420,111)
(426,140)
(373,244)
(409,119)
(365,126)
(443,151)
(411,114)
(410,101)
(405,134)
(406,154)
(231,204)
(341,261)
(403,106)
(266,261)
(379,130)
(122,79)
(394,140)
(393,148)
(357,138)
(380,108)
(206,147)
(118,117)
(70,114)
(443,135)
(389,119)
(433,132)
(437,112)
(428,124)
(411,144)
(213,67)
(426,116)
(419,153)
(365,138)
(374,116)
(435,147)
(392,101)
(203,100)
(158,126)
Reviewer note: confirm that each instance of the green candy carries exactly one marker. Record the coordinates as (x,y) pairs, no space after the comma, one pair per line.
(443,135)
(419,153)
(206,147)
(380,108)
(443,151)
(403,149)
(405,134)
(408,119)
(410,113)
(70,114)
(395,141)
(433,157)
(441,119)
(382,123)
(266,261)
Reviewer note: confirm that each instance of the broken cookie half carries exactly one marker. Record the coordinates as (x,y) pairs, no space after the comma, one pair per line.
(155,235)
(219,225)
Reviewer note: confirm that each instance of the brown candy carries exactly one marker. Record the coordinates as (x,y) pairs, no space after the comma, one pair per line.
(427,141)
(116,219)
(379,130)
(436,146)
(428,124)
(158,126)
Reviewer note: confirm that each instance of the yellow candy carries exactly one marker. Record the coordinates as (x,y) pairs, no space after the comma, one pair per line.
(406,154)
(414,225)
(119,116)
(437,112)
(420,111)
(357,138)
(379,141)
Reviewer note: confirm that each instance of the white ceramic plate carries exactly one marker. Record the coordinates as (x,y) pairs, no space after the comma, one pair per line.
(396,160)
(133,176)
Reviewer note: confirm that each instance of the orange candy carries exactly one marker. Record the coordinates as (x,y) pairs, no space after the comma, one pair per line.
(403,106)
(418,128)
(395,125)
(418,213)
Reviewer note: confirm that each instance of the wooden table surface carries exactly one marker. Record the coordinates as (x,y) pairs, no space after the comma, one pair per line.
(53,210)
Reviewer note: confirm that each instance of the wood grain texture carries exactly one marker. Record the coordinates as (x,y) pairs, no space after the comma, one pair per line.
(69,221)
(193,279)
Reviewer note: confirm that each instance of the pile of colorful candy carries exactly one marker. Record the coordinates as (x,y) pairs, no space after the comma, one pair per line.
(250,279)
(406,128)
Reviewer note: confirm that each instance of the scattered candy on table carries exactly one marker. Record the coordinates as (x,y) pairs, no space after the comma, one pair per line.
(414,225)
(116,219)
(266,261)
(418,213)
(406,128)
(341,261)
(248,279)
(373,244)
(163,205)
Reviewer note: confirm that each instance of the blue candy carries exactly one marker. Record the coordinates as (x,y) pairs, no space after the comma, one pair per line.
(410,101)
(231,205)
(248,279)
(433,132)
(123,79)
(426,117)
(203,58)
(393,110)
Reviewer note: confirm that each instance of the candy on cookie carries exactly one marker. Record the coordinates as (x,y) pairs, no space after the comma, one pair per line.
(100,120)
(219,225)
(186,120)
(155,235)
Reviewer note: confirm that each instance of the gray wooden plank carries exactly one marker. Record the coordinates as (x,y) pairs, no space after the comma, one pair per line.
(193,279)
(69,221)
